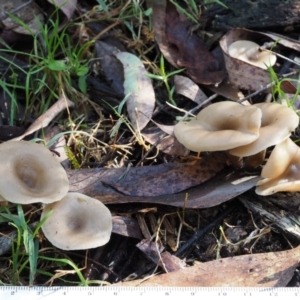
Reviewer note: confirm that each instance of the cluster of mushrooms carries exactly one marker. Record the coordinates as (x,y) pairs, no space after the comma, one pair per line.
(245,132)
(30,173)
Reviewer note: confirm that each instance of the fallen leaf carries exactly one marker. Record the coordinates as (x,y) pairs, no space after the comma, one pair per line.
(189,89)
(241,74)
(159,26)
(110,65)
(224,186)
(274,269)
(184,49)
(164,142)
(127,227)
(66,6)
(139,90)
(165,259)
(227,90)
(283,40)
(193,53)
(168,179)
(28,13)
(168,129)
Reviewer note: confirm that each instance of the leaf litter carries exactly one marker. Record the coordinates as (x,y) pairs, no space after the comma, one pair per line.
(173,210)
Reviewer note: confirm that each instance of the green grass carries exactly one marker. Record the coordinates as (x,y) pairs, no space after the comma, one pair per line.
(54,64)
(164,77)
(278,94)
(26,246)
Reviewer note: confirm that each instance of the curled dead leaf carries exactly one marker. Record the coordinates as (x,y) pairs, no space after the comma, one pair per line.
(242,74)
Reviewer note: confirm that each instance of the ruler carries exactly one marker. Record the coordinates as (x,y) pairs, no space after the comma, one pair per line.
(145,293)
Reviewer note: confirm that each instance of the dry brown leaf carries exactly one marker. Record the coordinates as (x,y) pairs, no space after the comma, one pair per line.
(227,90)
(110,65)
(167,179)
(182,48)
(27,12)
(189,89)
(159,27)
(224,186)
(162,258)
(66,6)
(242,74)
(168,129)
(283,40)
(274,269)
(127,227)
(162,137)
(193,53)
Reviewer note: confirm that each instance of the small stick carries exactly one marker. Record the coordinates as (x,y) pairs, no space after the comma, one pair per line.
(201,232)
(266,87)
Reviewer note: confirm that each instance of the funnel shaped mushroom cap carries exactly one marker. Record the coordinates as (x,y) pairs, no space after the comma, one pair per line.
(220,126)
(277,123)
(78,222)
(249,52)
(30,173)
(282,170)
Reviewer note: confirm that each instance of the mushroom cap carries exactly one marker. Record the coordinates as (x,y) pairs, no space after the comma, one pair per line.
(250,53)
(220,126)
(277,123)
(78,222)
(30,173)
(281,173)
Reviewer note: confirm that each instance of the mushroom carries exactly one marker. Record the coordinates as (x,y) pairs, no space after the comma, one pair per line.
(277,123)
(220,126)
(30,173)
(78,222)
(250,53)
(281,173)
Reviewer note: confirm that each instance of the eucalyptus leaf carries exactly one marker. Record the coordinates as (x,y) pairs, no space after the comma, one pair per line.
(139,90)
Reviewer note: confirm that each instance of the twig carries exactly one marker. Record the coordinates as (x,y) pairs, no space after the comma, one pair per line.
(201,232)
(191,112)
(266,87)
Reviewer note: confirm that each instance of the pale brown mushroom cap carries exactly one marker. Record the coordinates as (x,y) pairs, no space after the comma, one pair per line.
(277,123)
(78,222)
(220,126)
(282,170)
(249,52)
(30,173)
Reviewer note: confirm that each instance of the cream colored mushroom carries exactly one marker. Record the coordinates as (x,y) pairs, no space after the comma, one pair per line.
(282,170)
(250,53)
(78,222)
(277,123)
(30,173)
(220,126)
